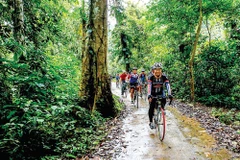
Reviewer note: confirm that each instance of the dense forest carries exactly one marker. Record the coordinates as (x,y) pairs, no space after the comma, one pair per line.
(56,58)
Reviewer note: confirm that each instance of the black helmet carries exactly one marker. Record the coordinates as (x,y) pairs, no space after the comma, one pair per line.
(134,68)
(157,65)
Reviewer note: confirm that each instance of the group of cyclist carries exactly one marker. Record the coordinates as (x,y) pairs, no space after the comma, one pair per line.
(156,83)
(135,81)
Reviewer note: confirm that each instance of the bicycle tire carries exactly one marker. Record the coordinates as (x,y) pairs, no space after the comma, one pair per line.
(137,98)
(145,94)
(161,123)
(125,93)
(134,97)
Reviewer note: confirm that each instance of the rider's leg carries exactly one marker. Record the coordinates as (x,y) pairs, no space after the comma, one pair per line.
(140,90)
(122,88)
(163,103)
(151,113)
(131,93)
(151,110)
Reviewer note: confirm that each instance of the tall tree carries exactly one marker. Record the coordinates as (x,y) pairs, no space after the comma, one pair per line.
(121,20)
(95,83)
(18,21)
(194,51)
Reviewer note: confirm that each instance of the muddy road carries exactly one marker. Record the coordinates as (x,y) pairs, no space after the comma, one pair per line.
(141,142)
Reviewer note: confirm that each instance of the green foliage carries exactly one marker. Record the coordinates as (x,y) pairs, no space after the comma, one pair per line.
(216,85)
(227,117)
(39,114)
(33,130)
(119,106)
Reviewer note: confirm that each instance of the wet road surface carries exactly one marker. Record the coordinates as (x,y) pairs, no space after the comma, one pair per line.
(142,142)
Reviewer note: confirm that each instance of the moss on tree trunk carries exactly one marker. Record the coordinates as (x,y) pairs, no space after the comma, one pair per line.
(95,84)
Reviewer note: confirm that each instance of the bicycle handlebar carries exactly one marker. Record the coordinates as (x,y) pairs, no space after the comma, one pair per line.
(160,97)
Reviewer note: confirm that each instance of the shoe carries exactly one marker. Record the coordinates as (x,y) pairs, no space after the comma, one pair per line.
(152,126)
(164,112)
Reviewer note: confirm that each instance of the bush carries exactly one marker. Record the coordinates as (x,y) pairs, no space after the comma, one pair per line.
(216,75)
(33,130)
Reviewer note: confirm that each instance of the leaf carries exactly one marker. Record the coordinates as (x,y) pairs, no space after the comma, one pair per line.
(70,156)
(40,120)
(11,114)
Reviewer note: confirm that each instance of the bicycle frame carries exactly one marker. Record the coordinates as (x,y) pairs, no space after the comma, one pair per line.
(135,94)
(159,118)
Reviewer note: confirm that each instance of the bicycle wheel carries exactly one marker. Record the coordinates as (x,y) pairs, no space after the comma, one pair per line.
(125,92)
(161,123)
(137,97)
(145,94)
(134,97)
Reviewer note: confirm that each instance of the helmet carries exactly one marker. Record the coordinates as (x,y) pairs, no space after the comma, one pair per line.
(143,70)
(157,65)
(134,68)
(152,67)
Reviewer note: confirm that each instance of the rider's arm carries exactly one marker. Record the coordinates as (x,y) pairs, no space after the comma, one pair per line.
(167,84)
(149,87)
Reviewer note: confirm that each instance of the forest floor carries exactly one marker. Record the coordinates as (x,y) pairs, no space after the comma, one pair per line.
(191,134)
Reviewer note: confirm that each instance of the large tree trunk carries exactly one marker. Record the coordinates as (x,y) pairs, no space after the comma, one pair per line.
(194,52)
(84,24)
(95,83)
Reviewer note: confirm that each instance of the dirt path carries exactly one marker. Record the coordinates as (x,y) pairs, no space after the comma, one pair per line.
(141,143)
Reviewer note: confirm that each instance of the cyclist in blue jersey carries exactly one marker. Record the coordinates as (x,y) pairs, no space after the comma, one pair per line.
(133,80)
(143,81)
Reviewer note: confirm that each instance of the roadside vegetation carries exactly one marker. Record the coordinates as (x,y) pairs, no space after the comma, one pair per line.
(55,97)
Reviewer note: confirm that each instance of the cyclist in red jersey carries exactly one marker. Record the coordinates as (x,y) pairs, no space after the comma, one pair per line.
(123,78)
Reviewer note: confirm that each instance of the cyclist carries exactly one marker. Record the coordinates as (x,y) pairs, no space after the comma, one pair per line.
(117,80)
(151,72)
(143,80)
(123,78)
(133,80)
(155,87)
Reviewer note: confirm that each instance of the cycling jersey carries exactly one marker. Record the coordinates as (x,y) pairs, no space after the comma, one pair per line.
(123,77)
(155,86)
(133,78)
(143,77)
(117,77)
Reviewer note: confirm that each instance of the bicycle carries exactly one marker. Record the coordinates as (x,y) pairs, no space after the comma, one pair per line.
(144,91)
(124,89)
(117,83)
(135,95)
(159,118)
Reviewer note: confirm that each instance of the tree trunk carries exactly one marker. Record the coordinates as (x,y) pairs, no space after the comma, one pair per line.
(84,24)
(95,83)
(125,51)
(123,37)
(194,52)
(18,21)
(209,32)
